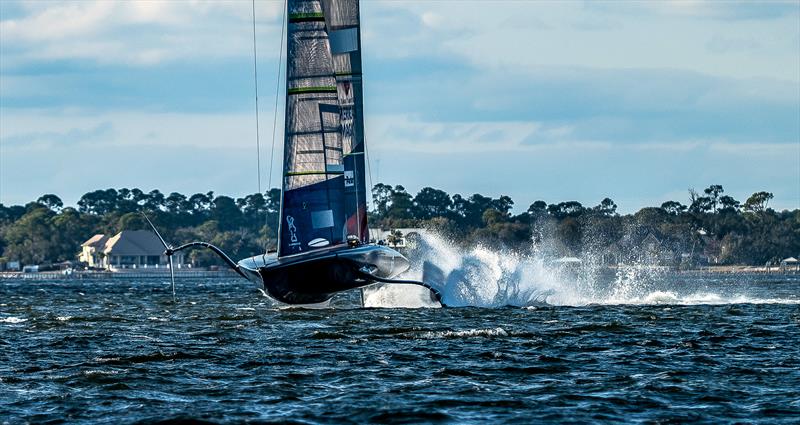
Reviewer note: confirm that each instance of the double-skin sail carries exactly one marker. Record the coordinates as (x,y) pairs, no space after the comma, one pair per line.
(324,188)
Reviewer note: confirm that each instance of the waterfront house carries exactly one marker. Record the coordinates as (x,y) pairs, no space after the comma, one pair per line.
(129,249)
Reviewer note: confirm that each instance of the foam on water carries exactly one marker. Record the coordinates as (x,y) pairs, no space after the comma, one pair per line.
(483,277)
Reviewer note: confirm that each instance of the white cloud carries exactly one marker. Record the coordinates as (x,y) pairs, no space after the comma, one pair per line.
(404,132)
(659,35)
(41,130)
(136,32)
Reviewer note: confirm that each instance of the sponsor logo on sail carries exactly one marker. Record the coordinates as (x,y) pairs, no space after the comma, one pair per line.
(292,231)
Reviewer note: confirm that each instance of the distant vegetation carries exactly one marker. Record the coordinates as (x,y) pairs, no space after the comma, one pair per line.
(711,227)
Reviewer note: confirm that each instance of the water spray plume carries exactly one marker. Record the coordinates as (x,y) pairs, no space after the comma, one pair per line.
(486,277)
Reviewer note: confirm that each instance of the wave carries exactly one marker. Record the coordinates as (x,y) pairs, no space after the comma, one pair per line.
(483,277)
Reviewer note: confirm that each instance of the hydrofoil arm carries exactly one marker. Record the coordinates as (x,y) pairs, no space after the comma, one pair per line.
(433,290)
(213,248)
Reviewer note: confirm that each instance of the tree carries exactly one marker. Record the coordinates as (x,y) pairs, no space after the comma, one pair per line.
(469,211)
(727,203)
(226,213)
(99,202)
(29,239)
(200,204)
(430,203)
(155,201)
(176,203)
(566,209)
(132,221)
(673,207)
(757,202)
(606,208)
(538,208)
(503,204)
(51,201)
(699,204)
(69,228)
(382,198)
(401,204)
(713,192)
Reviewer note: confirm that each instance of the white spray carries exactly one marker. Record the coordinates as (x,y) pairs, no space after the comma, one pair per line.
(483,277)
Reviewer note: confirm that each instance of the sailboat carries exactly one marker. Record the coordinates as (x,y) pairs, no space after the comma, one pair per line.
(323,240)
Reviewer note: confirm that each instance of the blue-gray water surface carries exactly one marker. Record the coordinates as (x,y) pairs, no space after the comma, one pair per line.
(122,352)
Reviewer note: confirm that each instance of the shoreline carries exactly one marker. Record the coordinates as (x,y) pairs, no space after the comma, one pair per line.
(224,273)
(93,275)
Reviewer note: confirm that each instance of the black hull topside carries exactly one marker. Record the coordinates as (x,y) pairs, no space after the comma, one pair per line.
(316,277)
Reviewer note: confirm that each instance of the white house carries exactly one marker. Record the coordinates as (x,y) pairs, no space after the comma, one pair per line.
(129,249)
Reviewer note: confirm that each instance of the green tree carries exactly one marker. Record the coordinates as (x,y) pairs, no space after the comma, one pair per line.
(538,208)
(99,202)
(713,193)
(29,239)
(401,204)
(51,201)
(226,213)
(606,208)
(673,208)
(430,203)
(566,209)
(757,202)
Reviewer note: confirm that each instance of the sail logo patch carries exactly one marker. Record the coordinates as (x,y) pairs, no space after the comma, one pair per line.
(292,231)
(349,178)
(322,219)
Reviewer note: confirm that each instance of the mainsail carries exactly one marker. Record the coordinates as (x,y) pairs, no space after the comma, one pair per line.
(324,188)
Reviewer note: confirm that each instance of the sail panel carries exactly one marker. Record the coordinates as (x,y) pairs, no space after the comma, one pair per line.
(344,29)
(312,211)
(324,184)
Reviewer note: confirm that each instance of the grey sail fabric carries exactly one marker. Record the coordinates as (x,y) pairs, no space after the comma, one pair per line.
(344,30)
(324,200)
(312,117)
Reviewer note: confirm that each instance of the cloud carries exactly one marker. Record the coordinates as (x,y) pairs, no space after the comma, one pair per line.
(116,130)
(405,132)
(133,33)
(620,106)
(566,99)
(74,137)
(700,9)
(645,35)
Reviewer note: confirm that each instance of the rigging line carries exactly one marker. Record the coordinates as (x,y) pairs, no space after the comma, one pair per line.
(275,113)
(255,82)
(369,199)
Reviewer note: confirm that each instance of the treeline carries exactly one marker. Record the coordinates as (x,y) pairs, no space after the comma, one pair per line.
(711,227)
(46,231)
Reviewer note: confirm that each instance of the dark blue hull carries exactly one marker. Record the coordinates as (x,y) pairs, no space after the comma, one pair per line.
(316,277)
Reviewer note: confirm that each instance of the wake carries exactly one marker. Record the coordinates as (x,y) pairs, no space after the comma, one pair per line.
(482,277)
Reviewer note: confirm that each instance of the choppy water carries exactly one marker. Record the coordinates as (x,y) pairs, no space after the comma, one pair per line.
(121,352)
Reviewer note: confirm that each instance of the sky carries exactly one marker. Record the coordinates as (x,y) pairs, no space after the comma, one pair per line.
(538,100)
